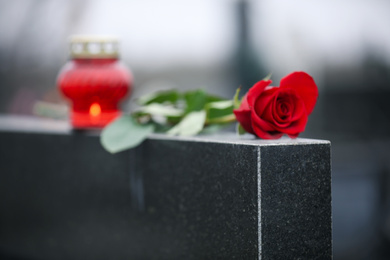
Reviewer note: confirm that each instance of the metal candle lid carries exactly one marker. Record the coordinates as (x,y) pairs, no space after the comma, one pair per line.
(84,46)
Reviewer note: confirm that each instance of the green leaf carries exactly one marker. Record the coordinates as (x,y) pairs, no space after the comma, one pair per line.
(212,98)
(211,129)
(220,104)
(219,109)
(124,133)
(222,120)
(240,130)
(159,128)
(268,77)
(236,101)
(159,97)
(160,110)
(191,124)
(195,100)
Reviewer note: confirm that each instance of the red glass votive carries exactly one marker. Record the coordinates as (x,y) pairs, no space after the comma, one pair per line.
(94,81)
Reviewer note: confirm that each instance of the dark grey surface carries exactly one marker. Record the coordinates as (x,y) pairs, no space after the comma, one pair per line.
(295,202)
(64,197)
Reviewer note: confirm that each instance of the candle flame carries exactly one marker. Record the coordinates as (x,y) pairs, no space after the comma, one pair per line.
(95,110)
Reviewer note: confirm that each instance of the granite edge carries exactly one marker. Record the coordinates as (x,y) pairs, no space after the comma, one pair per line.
(36,125)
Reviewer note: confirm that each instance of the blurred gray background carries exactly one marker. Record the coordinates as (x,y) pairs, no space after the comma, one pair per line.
(222,44)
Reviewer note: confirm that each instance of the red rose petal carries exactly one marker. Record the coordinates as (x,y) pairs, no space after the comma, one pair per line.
(297,126)
(283,109)
(243,115)
(263,129)
(269,112)
(255,91)
(244,104)
(265,100)
(299,109)
(297,122)
(293,136)
(244,118)
(290,96)
(305,87)
(294,117)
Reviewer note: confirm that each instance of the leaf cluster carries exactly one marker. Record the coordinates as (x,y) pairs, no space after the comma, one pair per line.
(170,112)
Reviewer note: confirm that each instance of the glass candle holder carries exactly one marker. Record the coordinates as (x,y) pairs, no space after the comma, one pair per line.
(94,80)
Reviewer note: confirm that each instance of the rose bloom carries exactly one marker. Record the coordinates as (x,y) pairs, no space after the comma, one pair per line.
(269,112)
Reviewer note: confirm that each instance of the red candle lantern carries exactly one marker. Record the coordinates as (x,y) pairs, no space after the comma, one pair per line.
(94,80)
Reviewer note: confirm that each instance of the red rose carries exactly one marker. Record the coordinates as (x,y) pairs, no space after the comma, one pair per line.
(269,112)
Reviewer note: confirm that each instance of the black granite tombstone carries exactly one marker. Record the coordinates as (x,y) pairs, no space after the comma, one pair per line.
(220,197)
